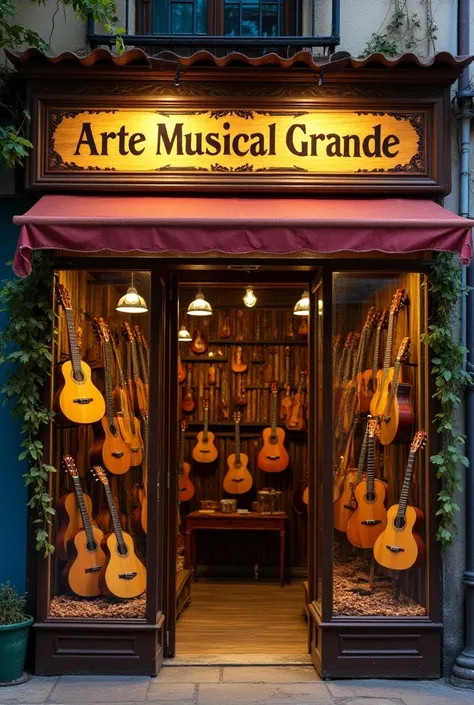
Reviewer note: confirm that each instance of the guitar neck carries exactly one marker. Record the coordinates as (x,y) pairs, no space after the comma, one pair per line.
(237,444)
(371,465)
(118,364)
(357,356)
(388,348)
(375,361)
(402,505)
(206,425)
(364,339)
(396,375)
(363,455)
(274,415)
(181,453)
(109,402)
(115,517)
(83,509)
(73,346)
(136,371)
(144,369)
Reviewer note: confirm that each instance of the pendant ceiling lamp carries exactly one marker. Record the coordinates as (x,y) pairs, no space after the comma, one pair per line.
(132,302)
(184,336)
(249,299)
(199,307)
(302,306)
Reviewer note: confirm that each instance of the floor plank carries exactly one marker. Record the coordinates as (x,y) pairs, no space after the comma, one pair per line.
(227,617)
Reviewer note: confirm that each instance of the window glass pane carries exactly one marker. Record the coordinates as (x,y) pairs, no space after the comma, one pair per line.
(161,17)
(182,18)
(270,20)
(201,17)
(250,19)
(231,20)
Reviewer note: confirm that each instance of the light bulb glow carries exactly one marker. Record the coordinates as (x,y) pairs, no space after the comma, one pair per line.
(249,299)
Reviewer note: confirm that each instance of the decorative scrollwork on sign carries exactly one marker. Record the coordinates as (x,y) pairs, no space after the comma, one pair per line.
(221,167)
(218,114)
(55,118)
(170,167)
(282,169)
(417,162)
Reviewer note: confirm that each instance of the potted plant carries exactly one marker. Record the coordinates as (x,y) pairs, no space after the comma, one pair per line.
(14,629)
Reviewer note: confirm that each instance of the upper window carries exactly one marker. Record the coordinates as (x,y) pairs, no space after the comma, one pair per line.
(251,18)
(175,17)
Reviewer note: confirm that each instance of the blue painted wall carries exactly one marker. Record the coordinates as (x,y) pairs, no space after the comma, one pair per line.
(13,495)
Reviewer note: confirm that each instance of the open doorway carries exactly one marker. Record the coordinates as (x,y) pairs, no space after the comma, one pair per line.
(242,470)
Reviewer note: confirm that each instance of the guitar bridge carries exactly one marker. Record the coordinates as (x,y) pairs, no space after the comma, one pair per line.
(118,454)
(135,450)
(83,401)
(395,549)
(94,569)
(273,457)
(127,576)
(371,522)
(239,479)
(204,451)
(349,506)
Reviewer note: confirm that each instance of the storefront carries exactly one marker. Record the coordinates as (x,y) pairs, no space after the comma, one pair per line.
(278,220)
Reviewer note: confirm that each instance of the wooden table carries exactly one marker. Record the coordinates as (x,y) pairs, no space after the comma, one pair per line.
(233,522)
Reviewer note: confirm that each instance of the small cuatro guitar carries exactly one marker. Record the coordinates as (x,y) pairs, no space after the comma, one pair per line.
(273,456)
(85,555)
(296,420)
(109,448)
(123,575)
(396,422)
(185,485)
(205,450)
(188,403)
(238,479)
(78,399)
(370,516)
(400,547)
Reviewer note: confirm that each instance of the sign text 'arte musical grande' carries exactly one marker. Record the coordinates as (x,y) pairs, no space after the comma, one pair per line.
(338,141)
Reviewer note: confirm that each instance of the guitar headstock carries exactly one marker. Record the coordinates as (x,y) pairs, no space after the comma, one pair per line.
(383,320)
(96,329)
(99,474)
(70,465)
(274,387)
(63,296)
(237,415)
(404,350)
(419,441)
(348,340)
(355,340)
(397,300)
(183,424)
(104,330)
(205,404)
(127,332)
(373,427)
(371,318)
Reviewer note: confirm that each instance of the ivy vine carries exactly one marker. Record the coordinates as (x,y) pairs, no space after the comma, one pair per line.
(450,378)
(25,352)
(404,30)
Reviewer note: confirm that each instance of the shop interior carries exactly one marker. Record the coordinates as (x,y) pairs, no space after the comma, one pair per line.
(244,437)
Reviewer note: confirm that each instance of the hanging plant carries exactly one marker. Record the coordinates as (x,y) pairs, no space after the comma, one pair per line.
(450,379)
(25,351)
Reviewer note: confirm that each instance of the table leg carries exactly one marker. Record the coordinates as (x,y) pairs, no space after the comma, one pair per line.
(188,557)
(282,557)
(194,555)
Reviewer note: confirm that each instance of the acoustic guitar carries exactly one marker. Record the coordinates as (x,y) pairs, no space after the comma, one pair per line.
(224,395)
(287,402)
(300,496)
(199,344)
(123,575)
(142,348)
(185,486)
(273,456)
(69,521)
(238,364)
(345,504)
(205,450)
(384,376)
(241,399)
(85,555)
(109,448)
(224,330)
(181,371)
(188,403)
(400,546)
(303,328)
(77,399)
(142,490)
(296,420)
(367,380)
(396,422)
(140,396)
(240,333)
(238,479)
(370,516)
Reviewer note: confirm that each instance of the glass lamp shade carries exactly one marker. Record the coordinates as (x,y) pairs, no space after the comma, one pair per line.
(249,299)
(183,335)
(302,306)
(199,307)
(132,302)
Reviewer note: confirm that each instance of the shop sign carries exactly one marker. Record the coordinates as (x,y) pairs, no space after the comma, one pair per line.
(237,141)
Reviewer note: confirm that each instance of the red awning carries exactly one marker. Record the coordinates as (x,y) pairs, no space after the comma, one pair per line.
(237,226)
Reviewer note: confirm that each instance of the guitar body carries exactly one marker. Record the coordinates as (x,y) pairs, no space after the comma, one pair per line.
(141,397)
(198,345)
(349,407)
(406,539)
(135,442)
(205,451)
(360,531)
(273,457)
(344,505)
(365,391)
(296,420)
(110,582)
(70,521)
(109,449)
(82,570)
(142,498)
(286,408)
(79,402)
(298,501)
(397,421)
(379,401)
(186,487)
(237,480)
(181,371)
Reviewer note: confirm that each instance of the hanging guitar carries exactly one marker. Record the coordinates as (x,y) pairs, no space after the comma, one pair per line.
(78,399)
(139,392)
(367,379)
(238,479)
(273,456)
(109,448)
(181,371)
(396,422)
(185,484)
(370,516)
(142,348)
(239,334)
(400,546)
(345,504)
(205,450)
(188,403)
(123,575)
(287,402)
(238,364)
(296,421)
(224,330)
(85,555)
(70,521)
(224,395)
(199,344)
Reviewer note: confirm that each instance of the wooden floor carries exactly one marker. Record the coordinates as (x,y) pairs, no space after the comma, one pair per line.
(227,617)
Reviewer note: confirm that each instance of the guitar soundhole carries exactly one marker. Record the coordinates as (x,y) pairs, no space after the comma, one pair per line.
(91,546)
(370,497)
(112,429)
(122,550)
(78,376)
(399,522)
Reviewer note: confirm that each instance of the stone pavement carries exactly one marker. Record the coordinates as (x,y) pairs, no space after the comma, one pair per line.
(238,685)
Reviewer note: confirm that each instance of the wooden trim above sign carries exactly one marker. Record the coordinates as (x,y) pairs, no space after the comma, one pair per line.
(232,143)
